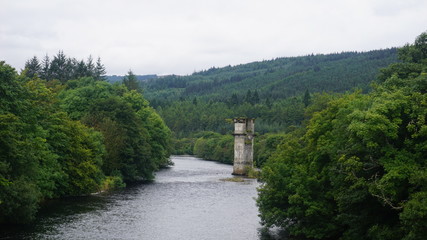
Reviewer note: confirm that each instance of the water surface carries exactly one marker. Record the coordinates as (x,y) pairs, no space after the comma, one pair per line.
(186,201)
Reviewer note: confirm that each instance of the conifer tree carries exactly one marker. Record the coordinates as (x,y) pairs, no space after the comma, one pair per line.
(90,67)
(307,98)
(32,67)
(100,70)
(58,67)
(255,97)
(248,97)
(130,81)
(45,68)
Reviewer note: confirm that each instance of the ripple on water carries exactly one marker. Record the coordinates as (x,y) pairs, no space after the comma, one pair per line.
(186,201)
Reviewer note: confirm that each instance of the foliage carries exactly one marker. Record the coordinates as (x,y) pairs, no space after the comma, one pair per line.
(214,146)
(183,146)
(130,81)
(136,139)
(275,92)
(63,68)
(277,78)
(357,171)
(43,153)
(68,137)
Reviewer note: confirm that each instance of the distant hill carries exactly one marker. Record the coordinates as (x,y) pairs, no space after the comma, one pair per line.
(275,79)
(115,78)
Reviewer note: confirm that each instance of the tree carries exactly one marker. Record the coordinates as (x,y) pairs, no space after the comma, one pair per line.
(130,81)
(255,97)
(90,67)
(248,96)
(45,68)
(307,98)
(81,70)
(99,70)
(58,67)
(234,100)
(32,67)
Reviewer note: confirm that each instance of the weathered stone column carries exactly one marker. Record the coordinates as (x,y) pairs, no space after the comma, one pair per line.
(243,145)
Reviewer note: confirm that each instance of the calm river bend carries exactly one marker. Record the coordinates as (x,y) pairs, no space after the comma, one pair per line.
(186,201)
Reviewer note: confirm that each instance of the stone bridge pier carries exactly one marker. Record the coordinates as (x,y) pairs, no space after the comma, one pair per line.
(243,145)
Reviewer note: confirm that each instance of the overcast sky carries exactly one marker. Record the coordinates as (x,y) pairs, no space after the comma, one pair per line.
(183,36)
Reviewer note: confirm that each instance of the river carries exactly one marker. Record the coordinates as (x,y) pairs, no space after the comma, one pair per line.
(189,200)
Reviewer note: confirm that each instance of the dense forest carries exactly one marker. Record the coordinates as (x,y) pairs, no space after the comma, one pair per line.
(66,132)
(273,79)
(357,168)
(275,92)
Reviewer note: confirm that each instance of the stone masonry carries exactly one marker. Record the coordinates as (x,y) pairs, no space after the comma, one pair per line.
(243,145)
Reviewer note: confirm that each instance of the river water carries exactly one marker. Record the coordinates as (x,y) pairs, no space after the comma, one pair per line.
(186,201)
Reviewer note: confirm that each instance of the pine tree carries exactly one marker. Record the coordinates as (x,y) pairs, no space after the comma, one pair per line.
(58,67)
(255,97)
(90,67)
(100,70)
(234,100)
(248,97)
(32,67)
(130,81)
(307,98)
(81,69)
(45,69)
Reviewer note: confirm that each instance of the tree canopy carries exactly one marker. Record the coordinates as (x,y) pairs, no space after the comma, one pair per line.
(69,137)
(357,170)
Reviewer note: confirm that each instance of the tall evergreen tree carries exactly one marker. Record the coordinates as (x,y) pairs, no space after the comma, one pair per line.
(81,69)
(130,81)
(255,97)
(248,97)
(90,67)
(100,70)
(58,67)
(307,98)
(32,67)
(234,100)
(45,68)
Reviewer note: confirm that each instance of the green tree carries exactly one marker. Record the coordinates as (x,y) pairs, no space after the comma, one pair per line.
(58,68)
(130,81)
(45,68)
(100,70)
(32,67)
(255,97)
(307,98)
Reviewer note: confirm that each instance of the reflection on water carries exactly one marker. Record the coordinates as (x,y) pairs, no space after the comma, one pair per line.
(186,201)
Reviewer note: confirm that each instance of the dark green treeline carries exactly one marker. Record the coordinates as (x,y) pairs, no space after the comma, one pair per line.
(72,137)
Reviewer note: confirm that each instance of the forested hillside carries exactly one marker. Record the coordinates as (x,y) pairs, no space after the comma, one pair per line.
(275,79)
(275,92)
(116,78)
